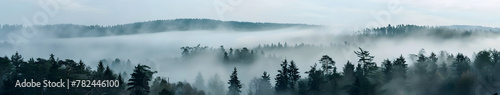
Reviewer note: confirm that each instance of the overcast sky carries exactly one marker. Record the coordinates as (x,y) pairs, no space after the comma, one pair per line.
(341,13)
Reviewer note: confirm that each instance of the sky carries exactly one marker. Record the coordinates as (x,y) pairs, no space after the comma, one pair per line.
(337,13)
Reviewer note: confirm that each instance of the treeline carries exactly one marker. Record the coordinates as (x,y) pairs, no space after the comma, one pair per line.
(16,68)
(433,74)
(444,32)
(233,56)
(70,30)
(443,74)
(273,46)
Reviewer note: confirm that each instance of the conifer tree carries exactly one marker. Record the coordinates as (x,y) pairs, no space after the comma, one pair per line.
(264,85)
(294,75)
(139,82)
(400,67)
(234,84)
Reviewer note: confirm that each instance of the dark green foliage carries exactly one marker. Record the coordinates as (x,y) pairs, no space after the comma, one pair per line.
(302,88)
(368,77)
(294,74)
(399,68)
(359,86)
(139,82)
(461,64)
(5,66)
(165,92)
(282,78)
(17,59)
(287,77)
(387,68)
(348,71)
(434,74)
(243,55)
(327,65)
(315,80)
(234,84)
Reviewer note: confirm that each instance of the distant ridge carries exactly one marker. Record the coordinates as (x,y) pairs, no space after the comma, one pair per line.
(71,30)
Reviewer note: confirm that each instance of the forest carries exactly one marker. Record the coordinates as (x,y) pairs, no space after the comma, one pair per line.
(154,26)
(430,74)
(280,69)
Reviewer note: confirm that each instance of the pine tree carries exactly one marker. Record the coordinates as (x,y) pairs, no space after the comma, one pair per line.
(315,80)
(400,67)
(484,62)
(108,74)
(234,84)
(100,70)
(370,75)
(139,82)
(264,85)
(120,81)
(461,64)
(5,66)
(432,64)
(294,75)
(421,65)
(327,65)
(17,59)
(282,78)
(387,69)
(359,86)
(348,72)
(366,59)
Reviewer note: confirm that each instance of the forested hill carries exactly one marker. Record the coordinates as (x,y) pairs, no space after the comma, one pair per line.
(442,32)
(71,30)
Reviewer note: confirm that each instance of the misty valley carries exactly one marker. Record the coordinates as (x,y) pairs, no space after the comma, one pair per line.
(212,57)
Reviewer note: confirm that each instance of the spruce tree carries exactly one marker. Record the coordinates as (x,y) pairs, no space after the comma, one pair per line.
(17,59)
(108,74)
(100,70)
(400,67)
(348,72)
(282,78)
(387,69)
(234,84)
(139,82)
(315,80)
(461,64)
(264,85)
(432,64)
(294,75)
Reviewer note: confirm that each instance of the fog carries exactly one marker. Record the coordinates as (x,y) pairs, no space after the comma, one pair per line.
(163,49)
